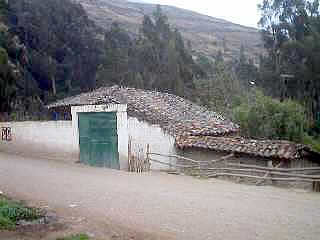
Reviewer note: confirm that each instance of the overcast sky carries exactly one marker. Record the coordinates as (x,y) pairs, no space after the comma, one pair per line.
(244,12)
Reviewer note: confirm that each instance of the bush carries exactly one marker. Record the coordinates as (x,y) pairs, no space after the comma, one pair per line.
(312,141)
(265,117)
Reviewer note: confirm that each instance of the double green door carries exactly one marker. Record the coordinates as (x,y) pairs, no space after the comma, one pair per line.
(98,139)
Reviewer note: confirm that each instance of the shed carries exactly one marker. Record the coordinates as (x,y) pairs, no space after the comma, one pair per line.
(253,154)
(144,117)
(260,152)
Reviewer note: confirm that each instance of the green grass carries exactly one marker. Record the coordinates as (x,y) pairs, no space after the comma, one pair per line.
(11,212)
(6,223)
(75,237)
(312,142)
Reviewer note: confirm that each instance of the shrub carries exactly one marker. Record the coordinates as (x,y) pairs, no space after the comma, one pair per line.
(312,141)
(265,117)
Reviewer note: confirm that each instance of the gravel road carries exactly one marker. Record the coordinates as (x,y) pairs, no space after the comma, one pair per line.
(161,205)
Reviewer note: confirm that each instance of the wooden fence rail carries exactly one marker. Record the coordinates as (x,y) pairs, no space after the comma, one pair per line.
(221,167)
(172,164)
(270,168)
(176,156)
(264,171)
(265,178)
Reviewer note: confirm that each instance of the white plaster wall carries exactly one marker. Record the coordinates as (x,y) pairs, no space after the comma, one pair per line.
(51,139)
(122,127)
(143,133)
(60,139)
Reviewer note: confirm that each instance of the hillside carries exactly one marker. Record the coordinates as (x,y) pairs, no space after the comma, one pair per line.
(208,35)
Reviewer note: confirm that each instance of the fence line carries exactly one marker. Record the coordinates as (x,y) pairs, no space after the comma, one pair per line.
(278,169)
(264,171)
(221,167)
(265,178)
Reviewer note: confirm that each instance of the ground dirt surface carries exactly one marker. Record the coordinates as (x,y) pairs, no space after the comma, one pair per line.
(111,204)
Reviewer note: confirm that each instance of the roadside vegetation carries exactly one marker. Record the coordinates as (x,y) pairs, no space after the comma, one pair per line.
(264,117)
(12,212)
(80,236)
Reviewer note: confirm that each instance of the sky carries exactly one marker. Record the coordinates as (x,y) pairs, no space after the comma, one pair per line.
(244,12)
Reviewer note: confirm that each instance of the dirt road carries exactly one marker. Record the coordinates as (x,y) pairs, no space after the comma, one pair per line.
(160,205)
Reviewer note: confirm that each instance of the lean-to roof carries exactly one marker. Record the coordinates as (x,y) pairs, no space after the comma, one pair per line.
(258,148)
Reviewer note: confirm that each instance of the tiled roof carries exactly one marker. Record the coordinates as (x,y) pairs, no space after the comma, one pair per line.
(90,98)
(174,114)
(258,148)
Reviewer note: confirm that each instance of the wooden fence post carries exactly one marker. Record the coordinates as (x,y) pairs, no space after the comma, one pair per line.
(148,158)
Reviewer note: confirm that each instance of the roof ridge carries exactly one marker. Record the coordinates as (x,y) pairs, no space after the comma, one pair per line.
(174,113)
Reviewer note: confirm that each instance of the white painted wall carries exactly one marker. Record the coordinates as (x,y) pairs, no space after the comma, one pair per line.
(143,133)
(122,127)
(51,139)
(60,139)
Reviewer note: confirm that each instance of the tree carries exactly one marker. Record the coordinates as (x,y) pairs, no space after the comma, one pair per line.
(115,68)
(7,82)
(245,69)
(157,59)
(291,35)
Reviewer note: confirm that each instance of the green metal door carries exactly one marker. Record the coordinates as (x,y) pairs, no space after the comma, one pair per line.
(98,139)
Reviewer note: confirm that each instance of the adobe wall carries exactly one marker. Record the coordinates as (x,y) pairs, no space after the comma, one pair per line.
(48,139)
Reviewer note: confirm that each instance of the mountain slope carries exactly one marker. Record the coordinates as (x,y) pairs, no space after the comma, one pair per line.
(208,35)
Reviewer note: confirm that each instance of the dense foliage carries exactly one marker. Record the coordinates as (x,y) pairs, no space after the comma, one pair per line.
(264,117)
(55,51)
(53,48)
(291,32)
(157,59)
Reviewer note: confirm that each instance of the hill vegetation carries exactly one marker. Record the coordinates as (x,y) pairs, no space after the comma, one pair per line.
(157,59)
(48,49)
(291,31)
(207,35)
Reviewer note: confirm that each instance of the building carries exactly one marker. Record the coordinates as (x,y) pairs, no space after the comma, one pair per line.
(255,160)
(104,121)
(268,153)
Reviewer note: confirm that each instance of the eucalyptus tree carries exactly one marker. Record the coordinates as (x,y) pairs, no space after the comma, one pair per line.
(291,33)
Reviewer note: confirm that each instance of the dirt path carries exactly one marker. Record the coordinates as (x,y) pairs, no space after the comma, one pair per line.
(161,206)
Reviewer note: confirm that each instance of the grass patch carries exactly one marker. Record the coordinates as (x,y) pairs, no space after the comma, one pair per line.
(314,143)
(6,223)
(11,212)
(76,237)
